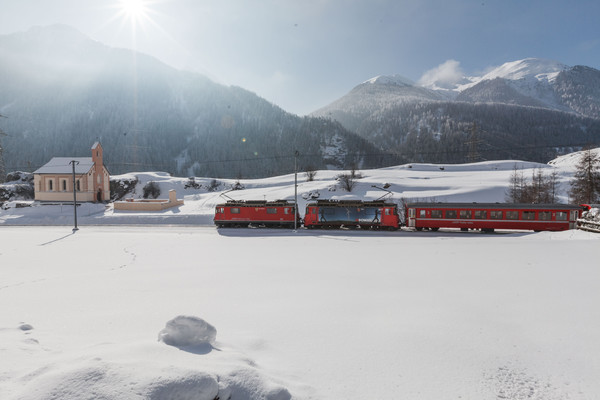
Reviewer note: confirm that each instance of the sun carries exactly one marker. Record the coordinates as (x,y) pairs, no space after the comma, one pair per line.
(135,10)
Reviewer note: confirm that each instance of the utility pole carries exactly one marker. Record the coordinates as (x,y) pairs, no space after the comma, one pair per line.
(473,144)
(296,154)
(75,228)
(2,166)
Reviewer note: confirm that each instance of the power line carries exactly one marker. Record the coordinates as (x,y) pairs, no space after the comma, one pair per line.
(403,154)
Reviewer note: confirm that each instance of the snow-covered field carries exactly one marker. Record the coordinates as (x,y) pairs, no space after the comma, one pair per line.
(333,315)
(303,315)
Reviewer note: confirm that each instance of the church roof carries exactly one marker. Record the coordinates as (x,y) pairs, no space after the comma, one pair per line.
(62,165)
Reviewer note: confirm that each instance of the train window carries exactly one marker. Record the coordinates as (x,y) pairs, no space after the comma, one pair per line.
(545,215)
(411,212)
(387,211)
(314,211)
(465,214)
(436,213)
(495,214)
(480,214)
(422,213)
(561,216)
(529,215)
(512,215)
(235,210)
(271,210)
(450,214)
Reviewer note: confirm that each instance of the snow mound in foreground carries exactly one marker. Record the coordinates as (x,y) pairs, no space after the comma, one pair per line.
(97,379)
(186,331)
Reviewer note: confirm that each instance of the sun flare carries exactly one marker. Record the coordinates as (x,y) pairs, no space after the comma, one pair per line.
(134,9)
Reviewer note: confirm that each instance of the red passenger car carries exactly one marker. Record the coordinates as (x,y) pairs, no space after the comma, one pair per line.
(351,214)
(490,216)
(279,214)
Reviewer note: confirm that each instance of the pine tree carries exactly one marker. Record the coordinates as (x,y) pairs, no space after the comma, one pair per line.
(585,187)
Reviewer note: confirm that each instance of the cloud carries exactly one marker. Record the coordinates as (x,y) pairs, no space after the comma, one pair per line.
(445,75)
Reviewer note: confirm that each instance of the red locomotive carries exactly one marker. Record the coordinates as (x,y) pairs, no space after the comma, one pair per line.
(352,214)
(277,214)
(490,216)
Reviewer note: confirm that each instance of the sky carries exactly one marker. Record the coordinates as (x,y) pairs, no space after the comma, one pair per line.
(302,55)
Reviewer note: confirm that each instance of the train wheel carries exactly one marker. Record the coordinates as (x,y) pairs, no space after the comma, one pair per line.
(435,229)
(419,228)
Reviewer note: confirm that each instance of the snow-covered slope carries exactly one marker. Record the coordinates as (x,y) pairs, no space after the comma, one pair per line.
(521,70)
(532,82)
(478,182)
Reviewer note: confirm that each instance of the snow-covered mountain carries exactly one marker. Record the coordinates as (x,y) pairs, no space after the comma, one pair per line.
(62,91)
(538,83)
(529,69)
(529,82)
(520,109)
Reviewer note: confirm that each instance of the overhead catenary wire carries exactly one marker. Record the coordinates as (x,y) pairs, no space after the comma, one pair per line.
(305,156)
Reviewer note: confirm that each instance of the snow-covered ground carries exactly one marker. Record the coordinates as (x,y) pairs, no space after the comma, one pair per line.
(331,315)
(173,311)
(481,182)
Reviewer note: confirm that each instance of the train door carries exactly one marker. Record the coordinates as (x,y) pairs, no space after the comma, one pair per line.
(410,218)
(574,215)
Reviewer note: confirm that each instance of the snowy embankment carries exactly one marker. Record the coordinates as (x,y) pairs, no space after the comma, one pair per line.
(479,182)
(196,313)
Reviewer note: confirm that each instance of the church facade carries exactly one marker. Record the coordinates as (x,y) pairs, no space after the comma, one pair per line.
(53,182)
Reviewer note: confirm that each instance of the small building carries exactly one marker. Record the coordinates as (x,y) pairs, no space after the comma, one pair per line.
(54,180)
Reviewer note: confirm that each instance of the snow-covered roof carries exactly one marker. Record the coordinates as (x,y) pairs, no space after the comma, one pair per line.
(62,165)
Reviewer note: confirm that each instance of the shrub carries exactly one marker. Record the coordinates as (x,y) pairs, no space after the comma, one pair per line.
(119,188)
(191,183)
(151,189)
(213,186)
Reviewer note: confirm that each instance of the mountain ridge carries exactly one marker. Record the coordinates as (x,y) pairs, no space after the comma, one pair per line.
(61,91)
(522,104)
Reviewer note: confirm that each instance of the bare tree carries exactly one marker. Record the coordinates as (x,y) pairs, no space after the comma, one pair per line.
(585,186)
(541,189)
(515,188)
(348,181)
(310,173)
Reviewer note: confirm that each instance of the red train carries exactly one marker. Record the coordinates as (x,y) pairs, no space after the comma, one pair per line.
(380,214)
(277,214)
(490,216)
(352,214)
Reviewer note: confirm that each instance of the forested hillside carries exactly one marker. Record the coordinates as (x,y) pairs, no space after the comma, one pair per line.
(456,132)
(61,91)
(528,109)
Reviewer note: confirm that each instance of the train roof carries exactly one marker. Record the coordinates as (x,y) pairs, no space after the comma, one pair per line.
(351,203)
(256,203)
(517,206)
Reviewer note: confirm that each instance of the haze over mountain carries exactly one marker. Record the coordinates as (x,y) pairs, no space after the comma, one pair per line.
(528,109)
(61,91)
